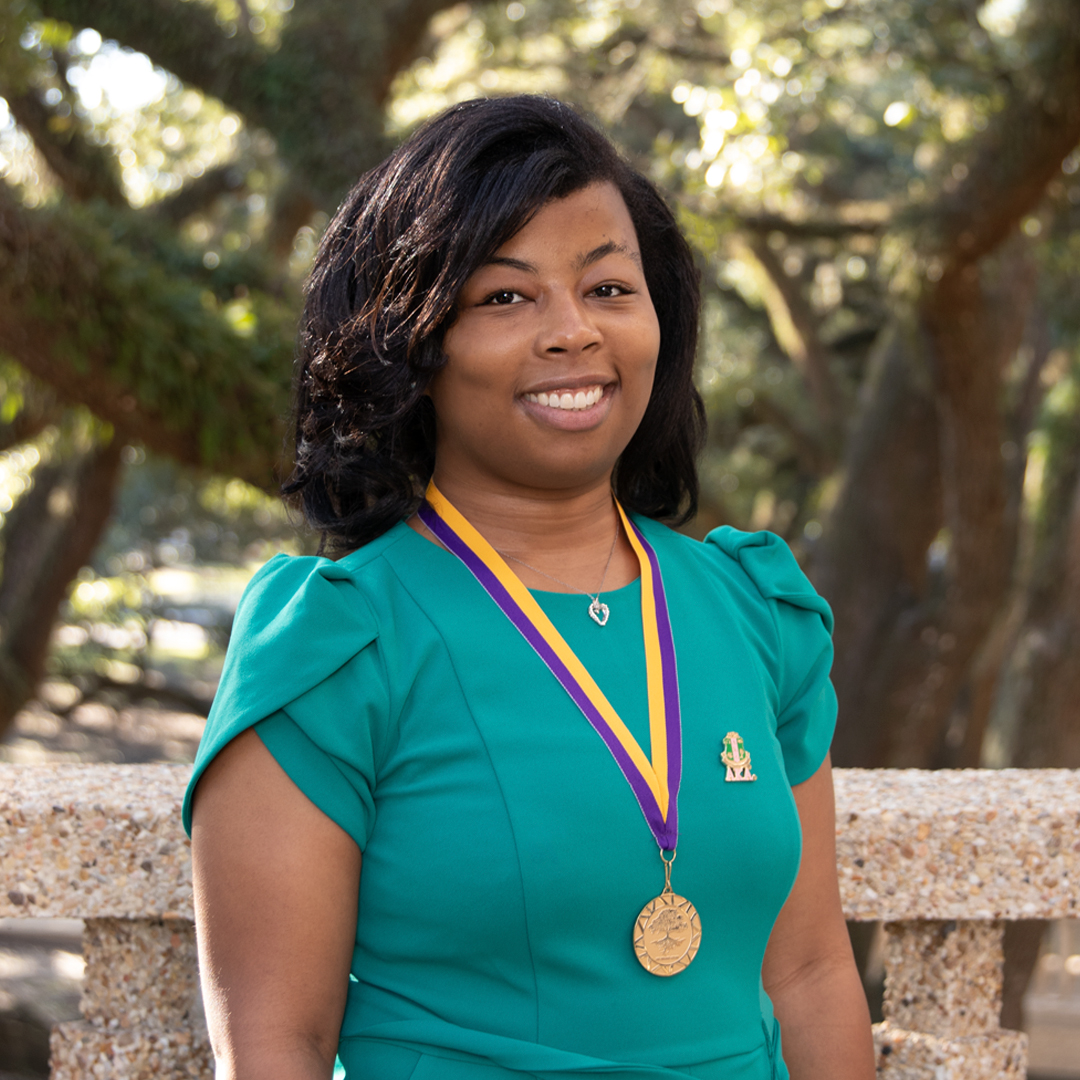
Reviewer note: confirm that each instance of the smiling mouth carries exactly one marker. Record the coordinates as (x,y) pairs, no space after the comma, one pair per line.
(570,400)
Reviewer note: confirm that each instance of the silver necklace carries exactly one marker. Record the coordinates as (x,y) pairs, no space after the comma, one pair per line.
(598,611)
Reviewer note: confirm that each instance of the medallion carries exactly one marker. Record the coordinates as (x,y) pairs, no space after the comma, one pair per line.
(735,757)
(667,934)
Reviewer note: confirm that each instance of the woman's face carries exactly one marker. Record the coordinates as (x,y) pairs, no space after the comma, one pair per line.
(550,360)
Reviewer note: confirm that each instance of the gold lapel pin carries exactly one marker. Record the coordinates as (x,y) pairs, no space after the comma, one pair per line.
(735,757)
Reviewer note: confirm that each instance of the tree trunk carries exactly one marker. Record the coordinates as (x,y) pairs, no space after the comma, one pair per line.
(1048,727)
(969,353)
(49,535)
(1048,732)
(871,562)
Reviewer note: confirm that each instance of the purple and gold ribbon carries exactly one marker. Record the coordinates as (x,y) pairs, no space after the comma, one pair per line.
(655,782)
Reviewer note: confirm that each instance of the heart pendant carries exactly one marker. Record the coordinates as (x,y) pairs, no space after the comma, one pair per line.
(599,612)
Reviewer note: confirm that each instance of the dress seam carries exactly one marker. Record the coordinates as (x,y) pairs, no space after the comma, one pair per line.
(502,794)
(395,718)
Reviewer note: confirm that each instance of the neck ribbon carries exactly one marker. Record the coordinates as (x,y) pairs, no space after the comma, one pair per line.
(655,782)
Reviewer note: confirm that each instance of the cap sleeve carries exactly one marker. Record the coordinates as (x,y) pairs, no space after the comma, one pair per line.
(303,670)
(807,702)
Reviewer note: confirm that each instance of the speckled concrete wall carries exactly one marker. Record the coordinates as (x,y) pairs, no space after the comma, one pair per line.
(943,1001)
(94,841)
(941,857)
(140,1005)
(967,844)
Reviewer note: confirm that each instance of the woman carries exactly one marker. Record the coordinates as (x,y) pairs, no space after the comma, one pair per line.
(517,701)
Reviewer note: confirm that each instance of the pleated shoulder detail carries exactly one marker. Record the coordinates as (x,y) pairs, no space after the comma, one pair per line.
(301,618)
(771,566)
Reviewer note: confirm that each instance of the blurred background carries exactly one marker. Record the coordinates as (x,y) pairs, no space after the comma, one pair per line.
(883,197)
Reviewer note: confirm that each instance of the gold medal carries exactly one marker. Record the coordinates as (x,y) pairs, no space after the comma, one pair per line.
(667,933)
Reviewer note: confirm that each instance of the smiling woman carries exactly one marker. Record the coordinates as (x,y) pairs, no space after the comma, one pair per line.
(496,367)
(389,283)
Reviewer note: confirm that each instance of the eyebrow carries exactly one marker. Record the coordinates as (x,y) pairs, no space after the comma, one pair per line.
(580,263)
(601,252)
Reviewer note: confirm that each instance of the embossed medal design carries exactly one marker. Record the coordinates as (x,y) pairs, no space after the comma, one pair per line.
(667,933)
(735,757)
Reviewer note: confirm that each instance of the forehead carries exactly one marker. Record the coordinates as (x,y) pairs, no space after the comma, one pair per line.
(576,224)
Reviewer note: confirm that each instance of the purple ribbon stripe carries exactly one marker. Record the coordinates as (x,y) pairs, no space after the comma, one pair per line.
(670,674)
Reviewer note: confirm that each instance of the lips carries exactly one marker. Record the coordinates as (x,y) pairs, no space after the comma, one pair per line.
(575,400)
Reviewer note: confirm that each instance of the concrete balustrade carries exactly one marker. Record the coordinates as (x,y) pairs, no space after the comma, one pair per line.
(140,1005)
(942,858)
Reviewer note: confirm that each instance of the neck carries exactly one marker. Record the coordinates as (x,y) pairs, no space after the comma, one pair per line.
(534,520)
(566,534)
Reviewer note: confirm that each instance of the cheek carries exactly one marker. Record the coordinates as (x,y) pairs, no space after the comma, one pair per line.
(476,359)
(647,351)
(463,396)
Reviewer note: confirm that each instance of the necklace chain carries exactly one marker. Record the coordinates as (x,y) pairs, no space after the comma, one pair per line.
(598,612)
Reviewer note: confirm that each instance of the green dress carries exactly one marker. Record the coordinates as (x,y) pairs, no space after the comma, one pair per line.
(505,857)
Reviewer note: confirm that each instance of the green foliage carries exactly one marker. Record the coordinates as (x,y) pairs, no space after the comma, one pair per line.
(167,516)
(124,302)
(841,121)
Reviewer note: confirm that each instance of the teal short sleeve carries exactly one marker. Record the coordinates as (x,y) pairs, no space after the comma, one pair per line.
(343,792)
(302,668)
(806,716)
(328,739)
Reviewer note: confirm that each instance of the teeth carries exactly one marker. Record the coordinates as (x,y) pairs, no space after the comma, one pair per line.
(575,401)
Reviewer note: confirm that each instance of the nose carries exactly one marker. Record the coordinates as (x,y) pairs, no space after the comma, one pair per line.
(567,326)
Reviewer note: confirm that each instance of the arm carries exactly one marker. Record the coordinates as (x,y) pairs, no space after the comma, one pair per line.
(809,971)
(276,892)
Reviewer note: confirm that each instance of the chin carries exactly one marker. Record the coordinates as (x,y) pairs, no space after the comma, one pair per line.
(564,476)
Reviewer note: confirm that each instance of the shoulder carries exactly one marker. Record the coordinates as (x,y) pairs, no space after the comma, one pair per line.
(766,563)
(300,620)
(757,567)
(311,598)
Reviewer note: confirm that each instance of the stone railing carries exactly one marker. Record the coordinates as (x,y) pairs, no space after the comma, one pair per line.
(942,858)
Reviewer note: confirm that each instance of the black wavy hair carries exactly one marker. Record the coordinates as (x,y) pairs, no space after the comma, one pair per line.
(383,292)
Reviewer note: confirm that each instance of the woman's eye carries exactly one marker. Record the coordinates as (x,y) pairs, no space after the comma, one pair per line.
(504,297)
(610,289)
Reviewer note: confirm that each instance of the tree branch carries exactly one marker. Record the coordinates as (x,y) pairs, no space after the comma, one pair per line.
(796,330)
(141,347)
(331,73)
(184,38)
(48,536)
(30,421)
(1022,150)
(406,28)
(972,331)
(197,195)
(812,459)
(871,562)
(84,171)
(859,218)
